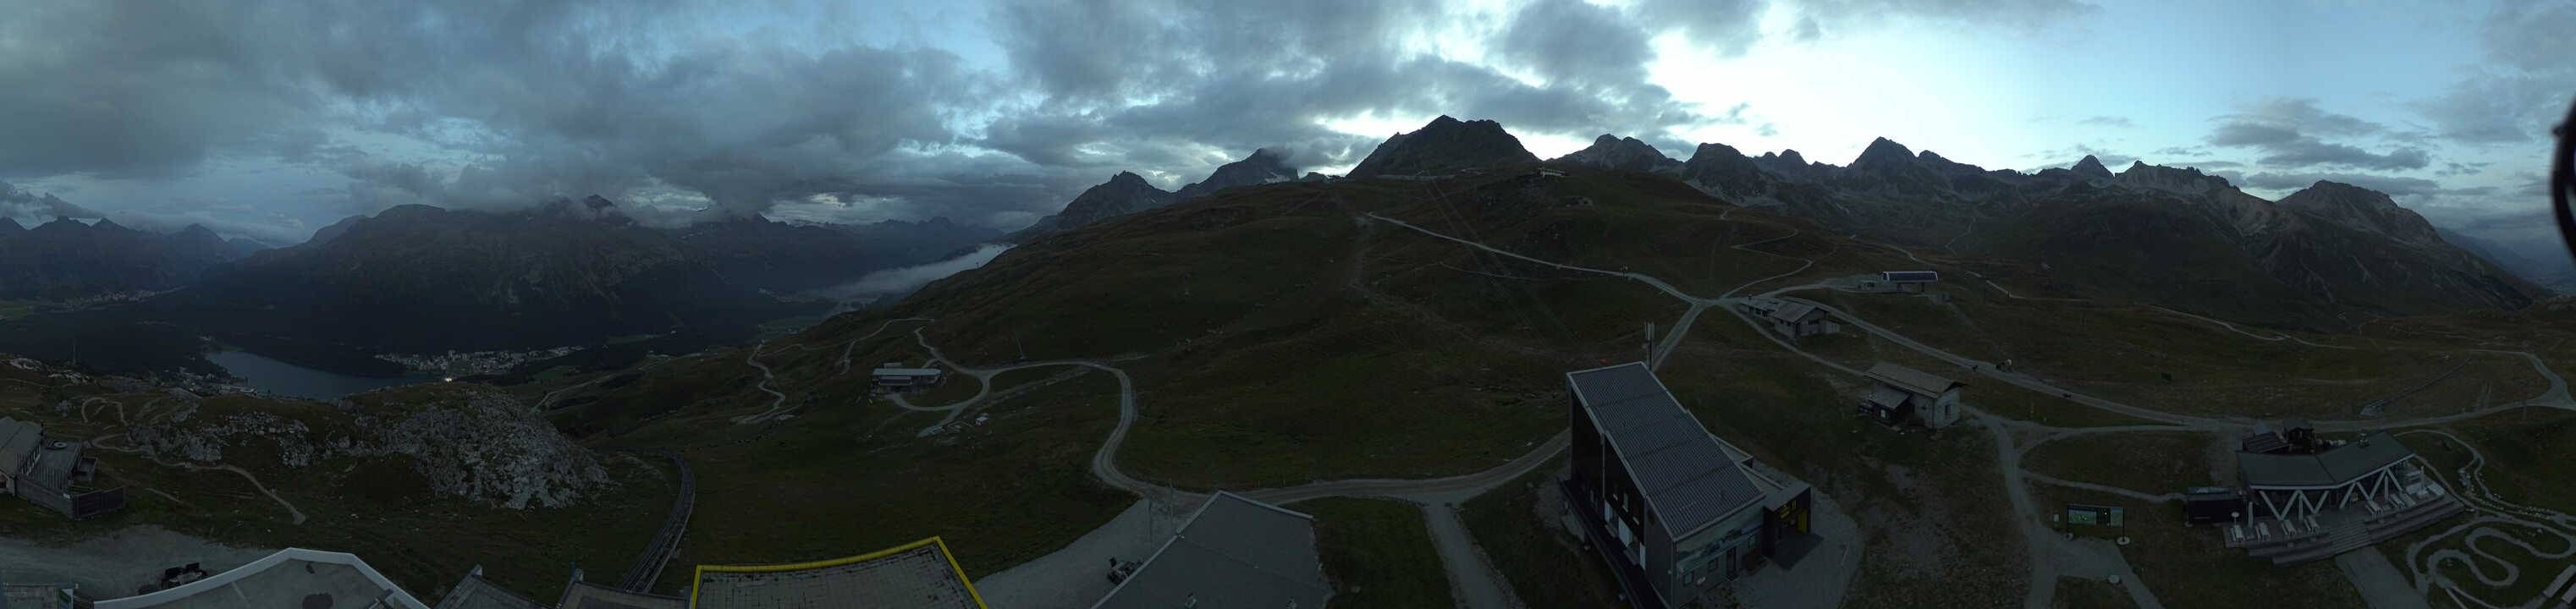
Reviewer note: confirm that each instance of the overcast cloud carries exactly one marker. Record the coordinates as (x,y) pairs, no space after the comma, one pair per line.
(269,118)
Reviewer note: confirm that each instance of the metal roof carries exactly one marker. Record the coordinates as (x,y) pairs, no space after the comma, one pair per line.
(586,595)
(1885,397)
(474,592)
(907,372)
(1910,276)
(293,577)
(1911,380)
(32,596)
(51,467)
(1235,552)
(2331,468)
(919,574)
(1686,477)
(1794,311)
(17,440)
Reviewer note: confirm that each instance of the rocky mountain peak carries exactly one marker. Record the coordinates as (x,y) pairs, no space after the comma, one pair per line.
(1614,152)
(1883,155)
(591,208)
(1790,155)
(10,227)
(2182,180)
(1261,167)
(2361,209)
(1445,145)
(1721,170)
(2092,168)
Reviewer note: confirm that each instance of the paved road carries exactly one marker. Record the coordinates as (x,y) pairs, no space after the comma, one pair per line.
(1472,580)
(2380,583)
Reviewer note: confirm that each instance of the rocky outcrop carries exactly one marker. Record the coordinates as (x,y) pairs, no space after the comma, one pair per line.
(2091,168)
(468,442)
(1262,167)
(1444,145)
(1123,194)
(1628,154)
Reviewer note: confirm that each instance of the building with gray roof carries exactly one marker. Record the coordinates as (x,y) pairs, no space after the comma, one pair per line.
(585,595)
(1234,552)
(2287,485)
(1900,394)
(293,577)
(1671,507)
(474,592)
(35,596)
(2311,499)
(1790,319)
(51,472)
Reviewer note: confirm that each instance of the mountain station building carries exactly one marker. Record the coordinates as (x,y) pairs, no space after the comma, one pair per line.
(51,472)
(2309,499)
(1906,282)
(1903,394)
(1675,511)
(1791,319)
(898,377)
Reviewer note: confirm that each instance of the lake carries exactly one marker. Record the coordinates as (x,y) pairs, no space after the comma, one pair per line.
(286,379)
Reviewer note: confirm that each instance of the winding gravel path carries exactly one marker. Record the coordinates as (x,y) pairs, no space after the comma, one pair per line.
(2499,522)
(777,402)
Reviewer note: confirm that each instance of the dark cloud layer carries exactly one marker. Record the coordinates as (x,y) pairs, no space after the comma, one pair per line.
(2289,134)
(33,208)
(549,98)
(1184,85)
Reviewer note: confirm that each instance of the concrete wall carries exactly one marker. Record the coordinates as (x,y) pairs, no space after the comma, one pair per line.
(1944,411)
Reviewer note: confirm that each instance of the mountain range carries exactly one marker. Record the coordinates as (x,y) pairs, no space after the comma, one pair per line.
(423,279)
(1128,193)
(2331,255)
(66,258)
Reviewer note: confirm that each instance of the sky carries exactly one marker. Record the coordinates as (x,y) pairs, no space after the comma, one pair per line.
(269,119)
